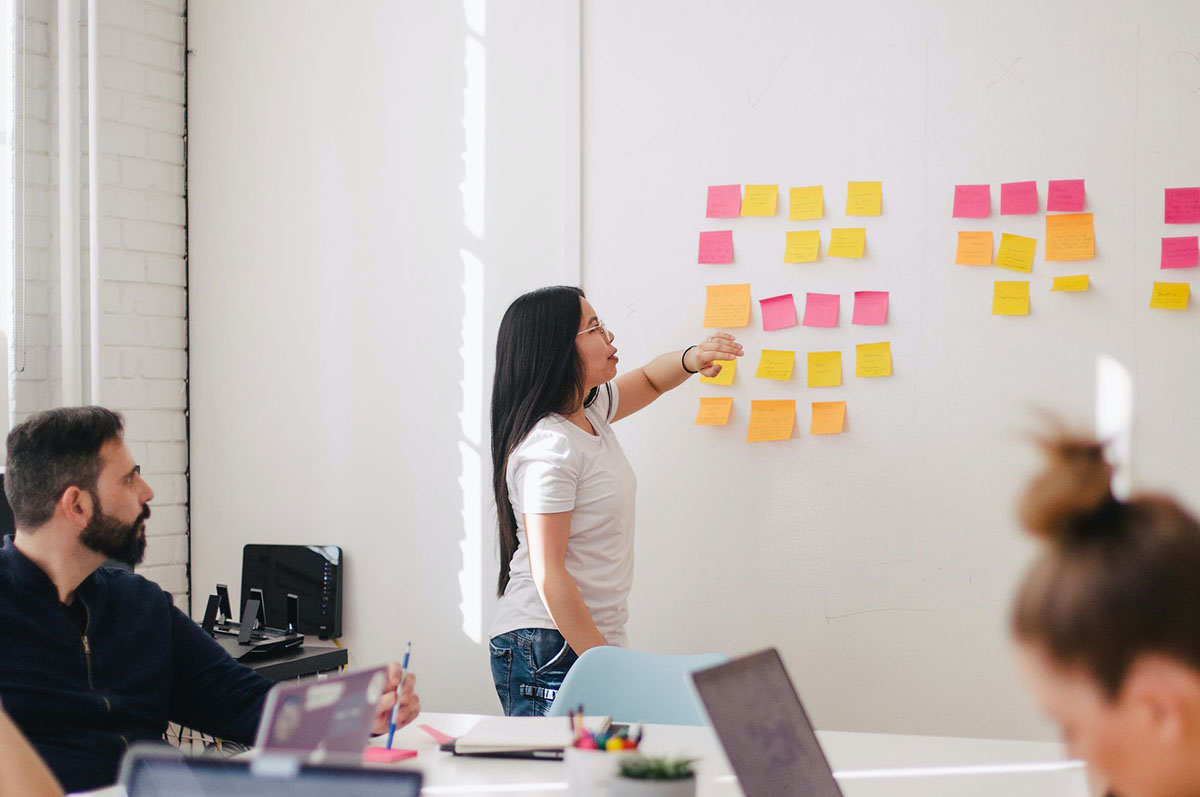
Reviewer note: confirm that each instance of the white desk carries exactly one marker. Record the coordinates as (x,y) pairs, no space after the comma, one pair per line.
(865,764)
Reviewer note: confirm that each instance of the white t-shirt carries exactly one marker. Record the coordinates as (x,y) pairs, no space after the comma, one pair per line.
(559,467)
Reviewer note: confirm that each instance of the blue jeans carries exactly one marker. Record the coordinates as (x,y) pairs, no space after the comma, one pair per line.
(528,666)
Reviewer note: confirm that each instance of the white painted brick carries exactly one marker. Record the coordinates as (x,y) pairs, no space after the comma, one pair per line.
(162,548)
(139,173)
(149,236)
(37,330)
(116,73)
(164,146)
(168,333)
(162,364)
(166,208)
(160,115)
(164,85)
(35,103)
(150,425)
(157,300)
(126,14)
(110,40)
(112,105)
(110,170)
(110,298)
(124,203)
(174,6)
(37,36)
(110,233)
(124,330)
(37,299)
(37,169)
(30,394)
(124,394)
(110,362)
(169,488)
(179,426)
(36,364)
(123,139)
(172,578)
(167,518)
(165,24)
(164,394)
(142,49)
(165,270)
(117,264)
(129,364)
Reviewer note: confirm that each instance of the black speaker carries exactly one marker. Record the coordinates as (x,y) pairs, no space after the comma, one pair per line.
(311,572)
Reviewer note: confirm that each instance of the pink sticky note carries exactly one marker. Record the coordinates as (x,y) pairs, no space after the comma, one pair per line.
(972,201)
(724,201)
(1018,199)
(870,307)
(821,309)
(1183,205)
(1181,252)
(1065,195)
(716,246)
(778,312)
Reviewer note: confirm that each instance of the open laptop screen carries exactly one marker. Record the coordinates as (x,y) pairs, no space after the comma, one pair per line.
(762,725)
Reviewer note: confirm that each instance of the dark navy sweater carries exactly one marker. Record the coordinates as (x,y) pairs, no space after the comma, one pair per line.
(83,698)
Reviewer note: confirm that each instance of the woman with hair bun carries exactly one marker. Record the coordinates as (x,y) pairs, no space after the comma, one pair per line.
(564,490)
(1107,623)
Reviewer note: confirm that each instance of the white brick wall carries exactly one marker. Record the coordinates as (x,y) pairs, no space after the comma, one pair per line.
(143,299)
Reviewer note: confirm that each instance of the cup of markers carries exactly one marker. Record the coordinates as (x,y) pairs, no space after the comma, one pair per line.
(593,759)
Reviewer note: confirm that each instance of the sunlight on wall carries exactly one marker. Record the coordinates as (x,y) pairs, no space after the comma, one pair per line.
(471,446)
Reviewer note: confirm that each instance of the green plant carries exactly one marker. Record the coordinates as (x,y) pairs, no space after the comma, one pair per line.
(657,768)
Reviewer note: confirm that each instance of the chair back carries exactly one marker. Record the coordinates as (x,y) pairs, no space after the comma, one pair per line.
(635,686)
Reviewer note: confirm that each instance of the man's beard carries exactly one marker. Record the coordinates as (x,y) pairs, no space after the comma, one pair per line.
(125,542)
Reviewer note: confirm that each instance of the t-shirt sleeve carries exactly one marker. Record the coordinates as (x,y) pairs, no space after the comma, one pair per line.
(543,474)
(605,406)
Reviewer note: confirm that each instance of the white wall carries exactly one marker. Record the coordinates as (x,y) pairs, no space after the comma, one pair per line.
(370,186)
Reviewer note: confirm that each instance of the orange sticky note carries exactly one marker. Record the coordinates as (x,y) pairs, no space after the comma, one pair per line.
(727,306)
(974,248)
(824,368)
(864,199)
(1070,236)
(873,359)
(1016,252)
(1170,295)
(803,246)
(771,420)
(828,417)
(1010,298)
(760,200)
(714,411)
(807,203)
(728,370)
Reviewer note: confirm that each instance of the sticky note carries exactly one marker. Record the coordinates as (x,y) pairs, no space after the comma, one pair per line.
(725,377)
(1018,199)
(974,248)
(821,309)
(773,364)
(1070,236)
(806,203)
(1182,206)
(1074,282)
(1016,252)
(870,308)
(771,420)
(760,200)
(716,246)
(1010,298)
(828,417)
(972,201)
(824,368)
(847,242)
(1066,196)
(1170,295)
(1181,252)
(714,411)
(727,306)
(873,359)
(803,246)
(724,202)
(864,199)
(778,312)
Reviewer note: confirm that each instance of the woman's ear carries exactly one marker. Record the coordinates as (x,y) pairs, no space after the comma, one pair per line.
(1164,697)
(76,506)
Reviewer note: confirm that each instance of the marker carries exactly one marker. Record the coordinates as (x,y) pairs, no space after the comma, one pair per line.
(399,690)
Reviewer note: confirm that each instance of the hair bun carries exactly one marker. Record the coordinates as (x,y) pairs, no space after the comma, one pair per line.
(1076,484)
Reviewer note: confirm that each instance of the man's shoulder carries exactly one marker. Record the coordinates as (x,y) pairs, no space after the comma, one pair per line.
(124,584)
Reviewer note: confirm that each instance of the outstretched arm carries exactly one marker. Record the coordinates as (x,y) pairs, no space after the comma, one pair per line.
(643,385)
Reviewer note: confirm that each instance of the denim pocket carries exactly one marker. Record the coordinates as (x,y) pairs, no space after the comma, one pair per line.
(502,674)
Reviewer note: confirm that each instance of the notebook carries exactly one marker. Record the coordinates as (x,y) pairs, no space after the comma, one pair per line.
(523,737)
(764,729)
(320,720)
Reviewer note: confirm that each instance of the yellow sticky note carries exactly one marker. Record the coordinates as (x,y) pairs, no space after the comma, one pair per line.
(1016,252)
(714,411)
(806,203)
(974,248)
(1075,282)
(776,365)
(803,246)
(847,242)
(727,306)
(824,368)
(1010,298)
(864,199)
(1070,236)
(874,359)
(728,369)
(760,200)
(828,417)
(771,420)
(1170,295)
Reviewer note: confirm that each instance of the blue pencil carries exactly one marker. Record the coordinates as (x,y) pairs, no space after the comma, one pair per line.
(399,690)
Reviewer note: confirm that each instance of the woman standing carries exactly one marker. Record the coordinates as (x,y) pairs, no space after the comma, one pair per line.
(564,490)
(1107,623)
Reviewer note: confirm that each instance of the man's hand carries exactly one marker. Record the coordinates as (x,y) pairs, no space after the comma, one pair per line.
(410,703)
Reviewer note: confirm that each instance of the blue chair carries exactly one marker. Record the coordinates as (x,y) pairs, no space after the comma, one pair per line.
(635,686)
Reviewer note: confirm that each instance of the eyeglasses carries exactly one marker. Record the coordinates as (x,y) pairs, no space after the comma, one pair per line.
(599,325)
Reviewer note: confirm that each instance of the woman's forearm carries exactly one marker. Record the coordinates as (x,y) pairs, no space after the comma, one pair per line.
(561,595)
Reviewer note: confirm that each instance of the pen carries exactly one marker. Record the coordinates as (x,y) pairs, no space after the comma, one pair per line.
(399,691)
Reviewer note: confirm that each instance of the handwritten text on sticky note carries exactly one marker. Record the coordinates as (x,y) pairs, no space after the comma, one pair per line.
(824,368)
(1010,298)
(873,359)
(724,202)
(1182,206)
(1018,199)
(1070,236)
(1065,196)
(760,200)
(847,242)
(972,201)
(775,364)
(727,306)
(1181,252)
(974,248)
(778,312)
(1170,295)
(725,376)
(864,199)
(821,309)
(716,246)
(771,420)
(1016,252)
(870,308)
(828,417)
(806,203)
(803,246)
(714,411)
(1072,283)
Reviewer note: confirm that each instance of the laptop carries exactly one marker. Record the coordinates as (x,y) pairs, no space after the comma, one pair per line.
(158,770)
(762,725)
(321,720)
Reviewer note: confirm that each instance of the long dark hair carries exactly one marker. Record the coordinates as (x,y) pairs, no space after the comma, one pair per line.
(538,371)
